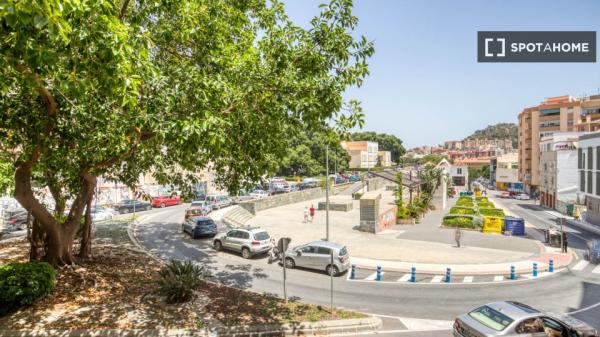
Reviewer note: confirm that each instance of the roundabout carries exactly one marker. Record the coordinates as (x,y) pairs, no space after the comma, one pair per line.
(403,307)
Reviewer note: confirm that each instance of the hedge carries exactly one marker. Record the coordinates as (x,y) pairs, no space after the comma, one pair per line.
(480,199)
(491,212)
(23,283)
(462,222)
(462,210)
(486,205)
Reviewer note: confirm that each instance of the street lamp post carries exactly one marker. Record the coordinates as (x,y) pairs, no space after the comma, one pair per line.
(327,193)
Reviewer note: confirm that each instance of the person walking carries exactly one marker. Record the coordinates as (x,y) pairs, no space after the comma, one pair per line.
(312,213)
(564,242)
(305,214)
(457,236)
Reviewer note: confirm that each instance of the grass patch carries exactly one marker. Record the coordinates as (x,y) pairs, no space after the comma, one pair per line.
(460,221)
(491,212)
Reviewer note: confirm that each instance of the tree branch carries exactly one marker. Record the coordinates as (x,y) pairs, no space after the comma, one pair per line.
(123,10)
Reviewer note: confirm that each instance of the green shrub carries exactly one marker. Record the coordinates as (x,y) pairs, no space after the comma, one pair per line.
(458,221)
(23,283)
(486,205)
(480,199)
(491,212)
(179,280)
(462,210)
(464,203)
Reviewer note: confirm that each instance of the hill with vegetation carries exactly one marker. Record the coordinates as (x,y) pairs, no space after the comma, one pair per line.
(496,131)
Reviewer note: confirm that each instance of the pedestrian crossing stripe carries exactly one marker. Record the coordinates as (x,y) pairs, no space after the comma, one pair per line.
(437,279)
(580,265)
(468,279)
(596,270)
(404,278)
(373,276)
(498,278)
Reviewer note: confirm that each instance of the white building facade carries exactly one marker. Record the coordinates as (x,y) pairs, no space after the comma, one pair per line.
(588,165)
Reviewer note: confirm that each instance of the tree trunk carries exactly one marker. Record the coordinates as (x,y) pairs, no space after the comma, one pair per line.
(37,242)
(85,250)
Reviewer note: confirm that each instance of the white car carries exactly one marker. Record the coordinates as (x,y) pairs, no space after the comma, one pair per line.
(100,213)
(522,196)
(259,194)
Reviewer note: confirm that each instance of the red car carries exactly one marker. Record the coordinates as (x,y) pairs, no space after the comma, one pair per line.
(166,200)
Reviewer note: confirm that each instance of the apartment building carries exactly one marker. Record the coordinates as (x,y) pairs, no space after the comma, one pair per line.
(555,114)
(384,158)
(588,164)
(363,154)
(558,170)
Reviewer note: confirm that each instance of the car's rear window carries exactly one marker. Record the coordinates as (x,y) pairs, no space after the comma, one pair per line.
(343,251)
(197,203)
(261,236)
(206,223)
(491,318)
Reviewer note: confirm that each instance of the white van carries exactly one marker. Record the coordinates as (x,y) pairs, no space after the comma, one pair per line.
(218,200)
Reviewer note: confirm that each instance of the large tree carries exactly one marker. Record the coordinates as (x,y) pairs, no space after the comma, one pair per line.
(90,88)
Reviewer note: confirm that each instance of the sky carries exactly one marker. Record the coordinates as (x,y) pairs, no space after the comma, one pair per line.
(426,86)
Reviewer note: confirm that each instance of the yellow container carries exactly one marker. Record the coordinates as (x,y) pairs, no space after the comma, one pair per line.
(492,224)
(477,193)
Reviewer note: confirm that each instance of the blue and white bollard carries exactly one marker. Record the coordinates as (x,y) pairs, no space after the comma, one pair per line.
(413,274)
(353,272)
(513,274)
(448,275)
(534,272)
(551,266)
(378,274)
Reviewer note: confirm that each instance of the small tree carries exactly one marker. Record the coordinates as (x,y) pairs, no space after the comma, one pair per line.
(402,212)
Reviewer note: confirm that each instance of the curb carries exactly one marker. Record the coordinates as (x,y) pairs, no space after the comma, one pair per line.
(347,326)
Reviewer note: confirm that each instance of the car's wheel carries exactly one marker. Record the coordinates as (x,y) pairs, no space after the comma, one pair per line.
(162,205)
(217,245)
(332,270)
(289,263)
(246,253)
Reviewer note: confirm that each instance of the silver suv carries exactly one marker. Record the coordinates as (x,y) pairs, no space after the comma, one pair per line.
(248,241)
(317,255)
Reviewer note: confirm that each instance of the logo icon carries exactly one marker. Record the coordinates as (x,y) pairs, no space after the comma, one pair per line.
(487,47)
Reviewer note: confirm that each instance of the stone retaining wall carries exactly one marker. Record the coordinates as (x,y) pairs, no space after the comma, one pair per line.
(254,206)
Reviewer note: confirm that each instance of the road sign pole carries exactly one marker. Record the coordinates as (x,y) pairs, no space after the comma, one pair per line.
(327,193)
(284,275)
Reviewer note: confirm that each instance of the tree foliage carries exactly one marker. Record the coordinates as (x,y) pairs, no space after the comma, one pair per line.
(385,141)
(497,131)
(169,87)
(307,152)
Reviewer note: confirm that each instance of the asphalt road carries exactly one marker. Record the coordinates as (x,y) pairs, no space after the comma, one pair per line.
(402,306)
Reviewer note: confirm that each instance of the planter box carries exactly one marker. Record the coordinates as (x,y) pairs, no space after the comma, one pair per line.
(405,221)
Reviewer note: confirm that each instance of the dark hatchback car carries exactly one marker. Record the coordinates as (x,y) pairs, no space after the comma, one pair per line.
(199,226)
(128,206)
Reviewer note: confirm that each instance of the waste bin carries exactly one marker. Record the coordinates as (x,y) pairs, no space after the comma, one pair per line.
(516,226)
(492,224)
(570,208)
(469,193)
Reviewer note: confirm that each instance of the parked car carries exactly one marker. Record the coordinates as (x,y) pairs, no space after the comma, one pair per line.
(247,241)
(166,200)
(15,218)
(505,195)
(199,226)
(279,184)
(354,178)
(218,201)
(294,187)
(100,213)
(594,252)
(509,318)
(198,208)
(317,255)
(128,205)
(242,196)
(522,196)
(340,179)
(259,194)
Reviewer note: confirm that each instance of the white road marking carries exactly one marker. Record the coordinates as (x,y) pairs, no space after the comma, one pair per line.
(404,278)
(436,279)
(468,279)
(584,309)
(417,324)
(373,276)
(596,270)
(580,265)
(498,278)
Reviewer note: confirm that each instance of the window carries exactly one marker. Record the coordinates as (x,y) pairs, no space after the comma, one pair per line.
(582,181)
(459,170)
(323,251)
(597,157)
(244,235)
(308,249)
(491,318)
(598,183)
(550,112)
(589,182)
(261,236)
(530,325)
(590,158)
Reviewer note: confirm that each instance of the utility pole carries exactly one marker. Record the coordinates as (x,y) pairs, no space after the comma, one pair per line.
(327,193)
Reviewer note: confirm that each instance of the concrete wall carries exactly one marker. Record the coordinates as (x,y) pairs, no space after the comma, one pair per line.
(254,206)
(369,212)
(387,219)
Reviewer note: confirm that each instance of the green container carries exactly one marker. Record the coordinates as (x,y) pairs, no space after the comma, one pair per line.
(570,208)
(462,194)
